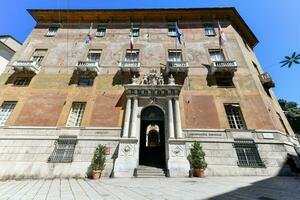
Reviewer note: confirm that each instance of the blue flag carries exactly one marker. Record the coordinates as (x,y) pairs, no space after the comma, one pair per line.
(178,33)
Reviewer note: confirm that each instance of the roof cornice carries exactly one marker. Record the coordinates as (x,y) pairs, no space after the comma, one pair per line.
(161,14)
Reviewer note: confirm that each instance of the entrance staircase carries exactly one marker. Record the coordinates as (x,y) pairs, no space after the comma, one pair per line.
(143,171)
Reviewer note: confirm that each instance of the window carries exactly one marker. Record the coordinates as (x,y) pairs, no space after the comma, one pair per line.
(22,81)
(247,153)
(132,56)
(135,32)
(39,55)
(101,32)
(209,30)
(76,114)
(172,31)
(5,111)
(52,31)
(224,80)
(85,81)
(174,56)
(234,116)
(64,149)
(216,55)
(94,55)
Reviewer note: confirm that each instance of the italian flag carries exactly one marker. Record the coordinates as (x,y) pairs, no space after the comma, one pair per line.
(131,39)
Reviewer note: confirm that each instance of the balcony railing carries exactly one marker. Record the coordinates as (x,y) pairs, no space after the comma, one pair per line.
(177,66)
(26,65)
(88,66)
(129,66)
(223,66)
(100,34)
(266,80)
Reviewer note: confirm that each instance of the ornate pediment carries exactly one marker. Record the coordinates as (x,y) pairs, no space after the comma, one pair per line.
(152,84)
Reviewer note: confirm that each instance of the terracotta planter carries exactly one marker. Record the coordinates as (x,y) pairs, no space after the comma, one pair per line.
(96,174)
(199,172)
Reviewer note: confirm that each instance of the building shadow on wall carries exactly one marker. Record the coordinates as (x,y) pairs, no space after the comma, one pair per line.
(209,78)
(283,186)
(122,78)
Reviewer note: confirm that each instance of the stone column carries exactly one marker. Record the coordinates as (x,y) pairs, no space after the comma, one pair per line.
(134,118)
(171,118)
(177,119)
(127,119)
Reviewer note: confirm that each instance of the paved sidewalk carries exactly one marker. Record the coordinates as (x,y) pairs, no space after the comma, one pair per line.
(263,188)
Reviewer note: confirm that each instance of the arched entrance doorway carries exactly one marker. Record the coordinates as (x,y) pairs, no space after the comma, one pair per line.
(152,138)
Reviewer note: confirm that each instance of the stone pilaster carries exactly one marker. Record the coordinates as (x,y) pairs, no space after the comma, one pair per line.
(177,119)
(171,119)
(127,119)
(134,118)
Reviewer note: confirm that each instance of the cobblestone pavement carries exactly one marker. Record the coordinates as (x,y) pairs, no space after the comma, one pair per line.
(262,188)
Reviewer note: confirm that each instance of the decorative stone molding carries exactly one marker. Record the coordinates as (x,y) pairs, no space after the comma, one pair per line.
(26,66)
(129,66)
(223,66)
(152,84)
(177,151)
(127,150)
(177,66)
(88,66)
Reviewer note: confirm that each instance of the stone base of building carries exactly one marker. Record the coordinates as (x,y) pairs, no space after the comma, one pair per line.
(24,153)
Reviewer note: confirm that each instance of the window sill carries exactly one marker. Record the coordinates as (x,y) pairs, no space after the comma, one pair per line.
(250,166)
(230,87)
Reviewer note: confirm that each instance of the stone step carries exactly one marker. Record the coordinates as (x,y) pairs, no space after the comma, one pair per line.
(150,172)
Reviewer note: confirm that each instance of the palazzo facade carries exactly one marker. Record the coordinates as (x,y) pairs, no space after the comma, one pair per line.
(62,94)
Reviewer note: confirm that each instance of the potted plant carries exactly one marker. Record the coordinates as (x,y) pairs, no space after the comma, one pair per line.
(198,160)
(98,162)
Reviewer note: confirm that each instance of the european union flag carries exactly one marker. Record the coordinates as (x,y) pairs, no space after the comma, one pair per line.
(178,33)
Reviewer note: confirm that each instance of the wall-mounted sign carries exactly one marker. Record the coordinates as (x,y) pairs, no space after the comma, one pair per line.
(268,135)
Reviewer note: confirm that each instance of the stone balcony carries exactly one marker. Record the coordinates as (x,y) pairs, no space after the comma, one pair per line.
(26,66)
(88,66)
(266,80)
(130,66)
(177,66)
(223,66)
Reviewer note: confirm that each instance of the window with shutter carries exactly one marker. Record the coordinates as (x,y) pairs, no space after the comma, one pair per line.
(94,55)
(52,31)
(39,55)
(5,111)
(175,55)
(209,30)
(76,114)
(234,116)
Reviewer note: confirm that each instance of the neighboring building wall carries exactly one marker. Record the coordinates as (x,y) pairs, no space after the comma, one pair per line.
(8,47)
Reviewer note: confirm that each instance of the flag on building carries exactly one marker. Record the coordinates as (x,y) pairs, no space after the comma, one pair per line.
(222,37)
(178,34)
(131,37)
(88,38)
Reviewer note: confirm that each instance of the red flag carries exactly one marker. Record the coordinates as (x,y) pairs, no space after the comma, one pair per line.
(222,36)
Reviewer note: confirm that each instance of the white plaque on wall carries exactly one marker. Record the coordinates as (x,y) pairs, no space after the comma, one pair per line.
(268,135)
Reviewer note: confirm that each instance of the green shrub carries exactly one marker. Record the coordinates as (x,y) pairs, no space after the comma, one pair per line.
(197,156)
(99,158)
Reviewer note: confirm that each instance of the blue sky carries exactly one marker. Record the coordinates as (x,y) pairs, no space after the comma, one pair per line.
(274,22)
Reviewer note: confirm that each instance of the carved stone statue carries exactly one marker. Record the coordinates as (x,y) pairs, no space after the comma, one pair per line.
(160,79)
(145,80)
(135,81)
(171,80)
